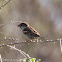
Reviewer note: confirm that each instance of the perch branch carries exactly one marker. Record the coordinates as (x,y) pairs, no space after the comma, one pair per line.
(4,4)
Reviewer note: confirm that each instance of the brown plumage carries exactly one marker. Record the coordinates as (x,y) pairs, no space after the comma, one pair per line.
(30,32)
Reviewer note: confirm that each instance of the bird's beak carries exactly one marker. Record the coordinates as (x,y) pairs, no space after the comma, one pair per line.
(18,25)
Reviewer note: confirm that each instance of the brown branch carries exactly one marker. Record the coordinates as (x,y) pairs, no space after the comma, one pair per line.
(12,43)
(20,42)
(19,50)
(5,4)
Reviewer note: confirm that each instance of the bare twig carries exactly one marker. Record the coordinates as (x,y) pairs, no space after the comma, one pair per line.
(50,40)
(0,58)
(22,52)
(61,45)
(4,4)
(20,42)
(12,43)
(10,23)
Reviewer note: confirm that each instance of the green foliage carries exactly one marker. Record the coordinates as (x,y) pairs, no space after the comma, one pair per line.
(30,60)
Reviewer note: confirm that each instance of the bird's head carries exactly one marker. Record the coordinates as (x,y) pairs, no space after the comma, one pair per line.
(23,25)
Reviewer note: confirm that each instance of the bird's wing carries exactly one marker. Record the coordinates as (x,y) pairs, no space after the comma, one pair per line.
(27,31)
(31,31)
(34,31)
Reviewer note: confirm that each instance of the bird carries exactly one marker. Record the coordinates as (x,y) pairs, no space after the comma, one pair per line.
(29,31)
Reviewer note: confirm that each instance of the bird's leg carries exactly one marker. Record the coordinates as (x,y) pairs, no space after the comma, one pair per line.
(28,41)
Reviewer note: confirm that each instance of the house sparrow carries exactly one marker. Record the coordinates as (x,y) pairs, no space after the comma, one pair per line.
(30,32)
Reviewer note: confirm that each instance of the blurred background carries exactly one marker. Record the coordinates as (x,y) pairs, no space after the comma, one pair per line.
(44,15)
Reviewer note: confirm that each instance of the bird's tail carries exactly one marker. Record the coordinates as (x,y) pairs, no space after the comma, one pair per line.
(43,38)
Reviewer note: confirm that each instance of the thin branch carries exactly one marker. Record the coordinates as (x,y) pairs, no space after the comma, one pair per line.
(12,43)
(50,40)
(61,45)
(10,23)
(5,4)
(22,52)
(20,42)
(1,58)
